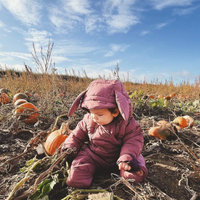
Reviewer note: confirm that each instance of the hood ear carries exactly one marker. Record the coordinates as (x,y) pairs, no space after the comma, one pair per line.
(123,105)
(76,103)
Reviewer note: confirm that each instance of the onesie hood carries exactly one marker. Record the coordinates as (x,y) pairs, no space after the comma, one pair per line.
(104,94)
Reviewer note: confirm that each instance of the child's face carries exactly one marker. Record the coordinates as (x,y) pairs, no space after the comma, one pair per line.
(103,116)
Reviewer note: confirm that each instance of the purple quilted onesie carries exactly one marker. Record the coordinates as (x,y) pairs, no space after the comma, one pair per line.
(107,145)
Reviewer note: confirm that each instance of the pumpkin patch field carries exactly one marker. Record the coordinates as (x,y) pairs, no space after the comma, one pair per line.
(34,124)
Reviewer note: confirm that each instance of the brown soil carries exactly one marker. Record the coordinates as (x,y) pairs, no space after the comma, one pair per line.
(173,165)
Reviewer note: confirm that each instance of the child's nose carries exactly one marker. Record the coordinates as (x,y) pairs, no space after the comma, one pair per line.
(94,117)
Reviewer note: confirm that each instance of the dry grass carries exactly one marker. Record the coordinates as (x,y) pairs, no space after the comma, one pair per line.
(44,83)
(48,84)
(54,84)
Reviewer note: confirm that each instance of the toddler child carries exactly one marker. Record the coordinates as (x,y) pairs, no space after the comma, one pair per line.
(112,134)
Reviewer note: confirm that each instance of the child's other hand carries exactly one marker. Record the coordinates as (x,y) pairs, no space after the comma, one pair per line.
(140,172)
(125,166)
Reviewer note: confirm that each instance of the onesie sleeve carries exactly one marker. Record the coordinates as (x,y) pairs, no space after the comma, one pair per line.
(77,137)
(132,144)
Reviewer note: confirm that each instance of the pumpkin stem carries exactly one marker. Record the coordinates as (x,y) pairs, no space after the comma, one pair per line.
(55,125)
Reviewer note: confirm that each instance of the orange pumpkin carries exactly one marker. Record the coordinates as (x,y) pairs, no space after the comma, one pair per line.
(172,95)
(190,120)
(182,96)
(28,94)
(163,123)
(19,96)
(28,111)
(160,96)
(56,138)
(4,90)
(151,97)
(158,132)
(180,121)
(61,95)
(167,97)
(19,102)
(4,98)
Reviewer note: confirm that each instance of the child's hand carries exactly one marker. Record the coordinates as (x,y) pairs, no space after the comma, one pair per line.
(125,166)
(140,172)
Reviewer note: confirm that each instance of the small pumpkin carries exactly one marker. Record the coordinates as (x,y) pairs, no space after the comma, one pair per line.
(28,94)
(4,90)
(19,102)
(181,122)
(19,96)
(28,112)
(167,97)
(160,96)
(163,123)
(151,97)
(56,138)
(172,95)
(181,96)
(4,98)
(159,132)
(190,121)
(61,95)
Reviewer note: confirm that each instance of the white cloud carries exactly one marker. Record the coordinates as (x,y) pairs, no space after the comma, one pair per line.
(185,11)
(34,35)
(161,25)
(18,67)
(39,38)
(92,23)
(69,13)
(79,7)
(118,15)
(25,56)
(1,24)
(74,48)
(72,15)
(158,26)
(3,27)
(179,76)
(115,48)
(183,73)
(139,78)
(59,59)
(59,19)
(27,11)
(109,53)
(93,69)
(120,23)
(12,67)
(161,4)
(19,30)
(90,65)
(144,33)
(167,75)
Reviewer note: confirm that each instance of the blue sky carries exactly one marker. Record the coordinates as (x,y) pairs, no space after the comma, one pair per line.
(149,39)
